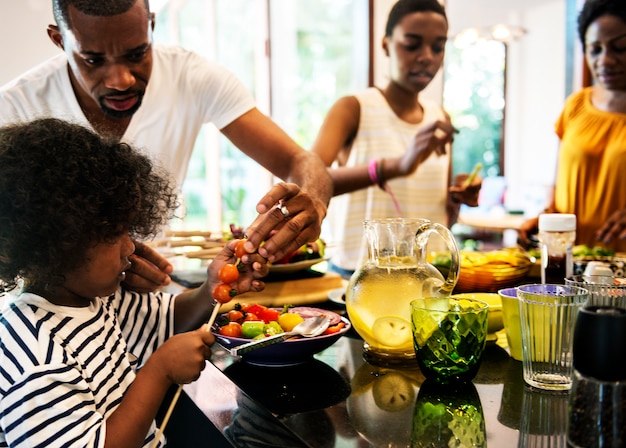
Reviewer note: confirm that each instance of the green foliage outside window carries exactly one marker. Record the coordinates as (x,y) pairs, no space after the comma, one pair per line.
(474,98)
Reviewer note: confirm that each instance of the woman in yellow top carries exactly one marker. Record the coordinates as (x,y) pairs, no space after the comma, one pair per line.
(591,173)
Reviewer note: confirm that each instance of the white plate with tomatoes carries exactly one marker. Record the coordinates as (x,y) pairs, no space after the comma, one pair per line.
(296,266)
(247,321)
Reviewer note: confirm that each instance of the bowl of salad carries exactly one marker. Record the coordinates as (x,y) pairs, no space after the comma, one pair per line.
(247,322)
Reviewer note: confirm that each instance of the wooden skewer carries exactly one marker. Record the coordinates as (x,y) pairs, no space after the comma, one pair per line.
(188,233)
(208,325)
(199,243)
(205,253)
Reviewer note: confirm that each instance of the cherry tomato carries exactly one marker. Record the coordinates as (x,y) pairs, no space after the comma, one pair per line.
(223,293)
(239,249)
(235,316)
(228,273)
(232,329)
(251,316)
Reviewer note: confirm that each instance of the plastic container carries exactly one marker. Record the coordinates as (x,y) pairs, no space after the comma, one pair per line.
(557,233)
(599,271)
(597,407)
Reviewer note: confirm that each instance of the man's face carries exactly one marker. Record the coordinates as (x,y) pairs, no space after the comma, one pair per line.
(110,58)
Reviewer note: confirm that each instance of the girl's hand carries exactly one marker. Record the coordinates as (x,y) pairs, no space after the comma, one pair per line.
(432,138)
(466,194)
(183,356)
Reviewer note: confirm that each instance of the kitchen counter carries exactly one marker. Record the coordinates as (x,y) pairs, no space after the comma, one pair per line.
(339,400)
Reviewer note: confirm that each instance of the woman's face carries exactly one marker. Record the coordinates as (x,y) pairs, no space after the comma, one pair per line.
(416,49)
(99,277)
(605,52)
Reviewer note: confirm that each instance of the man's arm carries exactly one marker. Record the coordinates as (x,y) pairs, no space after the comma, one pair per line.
(260,138)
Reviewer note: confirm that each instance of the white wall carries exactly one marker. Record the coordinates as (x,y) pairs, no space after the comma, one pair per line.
(23,36)
(535,96)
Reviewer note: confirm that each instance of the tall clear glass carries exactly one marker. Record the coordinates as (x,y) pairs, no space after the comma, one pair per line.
(548,314)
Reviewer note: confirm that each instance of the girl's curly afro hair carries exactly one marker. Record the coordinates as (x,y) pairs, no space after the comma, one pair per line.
(64,189)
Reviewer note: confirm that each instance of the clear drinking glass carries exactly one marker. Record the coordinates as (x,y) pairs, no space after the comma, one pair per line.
(603,290)
(548,315)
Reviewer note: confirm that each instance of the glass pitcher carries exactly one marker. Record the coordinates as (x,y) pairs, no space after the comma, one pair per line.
(379,293)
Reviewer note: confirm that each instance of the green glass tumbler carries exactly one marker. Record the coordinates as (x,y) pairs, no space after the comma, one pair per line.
(449,336)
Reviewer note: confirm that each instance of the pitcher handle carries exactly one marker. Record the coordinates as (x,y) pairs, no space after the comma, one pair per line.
(421,240)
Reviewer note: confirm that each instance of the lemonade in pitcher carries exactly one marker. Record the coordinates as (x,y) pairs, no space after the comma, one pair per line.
(379,293)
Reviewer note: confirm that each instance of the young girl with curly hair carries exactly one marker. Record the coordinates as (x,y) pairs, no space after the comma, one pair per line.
(71,204)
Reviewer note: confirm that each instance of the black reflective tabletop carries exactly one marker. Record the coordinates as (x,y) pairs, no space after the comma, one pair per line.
(339,400)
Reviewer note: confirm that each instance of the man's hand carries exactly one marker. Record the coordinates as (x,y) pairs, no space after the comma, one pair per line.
(149,271)
(290,216)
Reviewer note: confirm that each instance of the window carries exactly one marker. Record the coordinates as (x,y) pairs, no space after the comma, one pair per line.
(296,57)
(474,96)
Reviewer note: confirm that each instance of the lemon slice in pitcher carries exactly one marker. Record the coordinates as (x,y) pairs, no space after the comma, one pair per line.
(392,331)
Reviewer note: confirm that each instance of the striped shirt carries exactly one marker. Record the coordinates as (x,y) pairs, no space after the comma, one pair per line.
(423,194)
(64,370)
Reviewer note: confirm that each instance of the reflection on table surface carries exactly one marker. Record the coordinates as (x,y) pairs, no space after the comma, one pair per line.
(338,400)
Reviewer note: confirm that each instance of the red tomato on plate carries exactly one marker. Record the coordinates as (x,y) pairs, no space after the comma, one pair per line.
(235,316)
(269,315)
(232,329)
(251,316)
(253,308)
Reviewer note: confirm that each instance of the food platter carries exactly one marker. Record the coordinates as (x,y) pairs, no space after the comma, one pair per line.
(295,267)
(488,271)
(338,295)
(292,351)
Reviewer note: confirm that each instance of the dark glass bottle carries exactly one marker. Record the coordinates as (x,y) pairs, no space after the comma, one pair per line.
(597,407)
(557,233)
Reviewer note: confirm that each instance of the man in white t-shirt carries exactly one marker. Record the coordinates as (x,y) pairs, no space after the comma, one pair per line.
(113,79)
